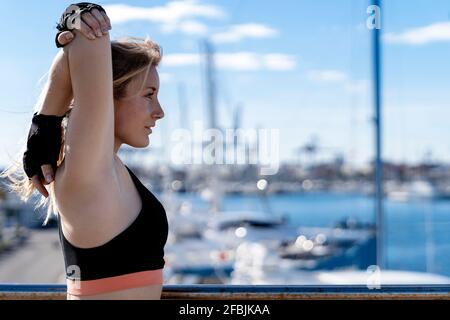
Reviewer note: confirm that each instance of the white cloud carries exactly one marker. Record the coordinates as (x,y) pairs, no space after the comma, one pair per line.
(244,61)
(193,27)
(278,61)
(327,76)
(165,77)
(340,78)
(240,32)
(180,59)
(171,16)
(357,86)
(190,27)
(436,32)
(238,61)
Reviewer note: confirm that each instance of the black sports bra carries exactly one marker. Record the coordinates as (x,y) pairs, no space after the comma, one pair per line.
(138,248)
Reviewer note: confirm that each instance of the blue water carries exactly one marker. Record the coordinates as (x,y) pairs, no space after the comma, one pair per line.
(417,233)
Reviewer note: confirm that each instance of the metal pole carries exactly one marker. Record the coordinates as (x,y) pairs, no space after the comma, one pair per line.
(211,106)
(378,143)
(210,83)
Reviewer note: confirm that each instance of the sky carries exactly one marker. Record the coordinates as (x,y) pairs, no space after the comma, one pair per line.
(302,67)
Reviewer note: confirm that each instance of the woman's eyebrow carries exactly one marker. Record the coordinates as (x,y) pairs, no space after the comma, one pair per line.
(151,88)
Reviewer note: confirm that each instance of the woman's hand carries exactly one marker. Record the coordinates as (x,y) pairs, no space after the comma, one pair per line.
(43,149)
(39,182)
(93,24)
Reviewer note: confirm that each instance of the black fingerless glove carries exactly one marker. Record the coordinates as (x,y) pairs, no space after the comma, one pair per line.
(72,12)
(43,145)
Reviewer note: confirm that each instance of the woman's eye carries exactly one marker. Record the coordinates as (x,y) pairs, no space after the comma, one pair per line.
(149,95)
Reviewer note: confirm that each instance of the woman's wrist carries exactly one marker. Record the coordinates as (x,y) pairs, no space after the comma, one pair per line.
(53,104)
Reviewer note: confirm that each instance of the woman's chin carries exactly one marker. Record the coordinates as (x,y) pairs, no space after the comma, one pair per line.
(145,144)
(141,144)
(147,141)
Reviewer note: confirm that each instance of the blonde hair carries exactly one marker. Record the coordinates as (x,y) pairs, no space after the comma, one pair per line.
(130,56)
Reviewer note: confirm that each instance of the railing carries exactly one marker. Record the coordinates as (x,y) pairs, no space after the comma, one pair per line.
(245,292)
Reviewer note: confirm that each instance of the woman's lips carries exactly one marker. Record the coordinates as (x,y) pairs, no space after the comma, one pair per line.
(149,129)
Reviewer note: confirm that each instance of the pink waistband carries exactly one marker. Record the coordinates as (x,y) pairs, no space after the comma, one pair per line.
(123,282)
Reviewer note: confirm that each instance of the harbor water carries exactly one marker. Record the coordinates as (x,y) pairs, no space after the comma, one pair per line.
(416,233)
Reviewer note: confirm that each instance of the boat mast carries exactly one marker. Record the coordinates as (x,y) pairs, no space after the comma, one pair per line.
(376,64)
(210,83)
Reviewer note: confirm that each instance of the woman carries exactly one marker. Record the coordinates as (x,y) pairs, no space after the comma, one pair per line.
(112,229)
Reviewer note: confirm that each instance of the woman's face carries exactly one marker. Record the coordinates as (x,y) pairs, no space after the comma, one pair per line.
(138,110)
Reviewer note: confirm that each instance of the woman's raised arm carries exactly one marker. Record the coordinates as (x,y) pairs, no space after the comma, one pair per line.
(89,140)
(58,90)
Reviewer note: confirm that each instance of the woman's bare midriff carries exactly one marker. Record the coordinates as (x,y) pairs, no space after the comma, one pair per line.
(152,292)
(114,209)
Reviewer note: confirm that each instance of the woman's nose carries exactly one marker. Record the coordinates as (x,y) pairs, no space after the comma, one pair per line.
(159,112)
